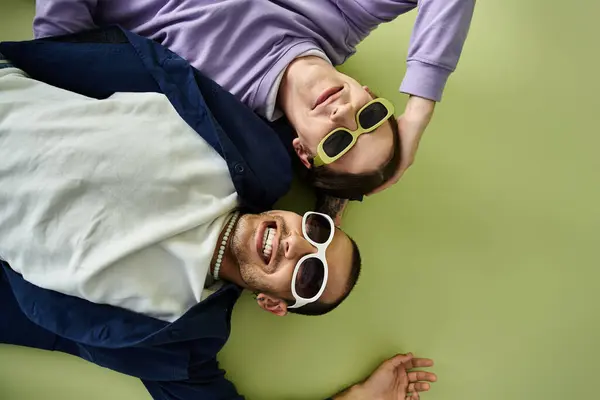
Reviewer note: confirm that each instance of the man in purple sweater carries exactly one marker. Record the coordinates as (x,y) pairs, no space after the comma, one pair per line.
(278,57)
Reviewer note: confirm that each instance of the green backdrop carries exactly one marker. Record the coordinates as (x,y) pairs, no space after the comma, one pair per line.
(485,256)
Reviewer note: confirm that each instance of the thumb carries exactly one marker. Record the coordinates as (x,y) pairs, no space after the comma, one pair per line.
(400,359)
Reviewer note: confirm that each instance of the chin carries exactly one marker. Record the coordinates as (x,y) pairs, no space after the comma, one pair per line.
(253,277)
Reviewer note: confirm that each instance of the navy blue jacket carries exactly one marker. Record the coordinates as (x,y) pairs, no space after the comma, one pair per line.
(175,361)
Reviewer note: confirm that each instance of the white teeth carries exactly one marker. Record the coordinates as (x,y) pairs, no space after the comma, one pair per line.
(268,242)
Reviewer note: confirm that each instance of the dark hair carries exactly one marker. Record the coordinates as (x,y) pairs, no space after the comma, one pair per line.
(350,186)
(320,308)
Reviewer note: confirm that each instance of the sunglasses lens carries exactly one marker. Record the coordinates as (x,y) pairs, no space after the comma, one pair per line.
(336,143)
(372,115)
(310,278)
(318,228)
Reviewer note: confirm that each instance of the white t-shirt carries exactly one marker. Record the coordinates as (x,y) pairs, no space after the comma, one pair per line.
(115,201)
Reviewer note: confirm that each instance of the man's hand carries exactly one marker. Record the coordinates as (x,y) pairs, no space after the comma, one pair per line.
(393,381)
(411,126)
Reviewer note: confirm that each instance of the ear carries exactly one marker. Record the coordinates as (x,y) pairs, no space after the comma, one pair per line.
(302,153)
(369,91)
(272,304)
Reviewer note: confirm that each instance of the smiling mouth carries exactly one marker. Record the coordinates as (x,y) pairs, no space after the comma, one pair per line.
(267,245)
(326,95)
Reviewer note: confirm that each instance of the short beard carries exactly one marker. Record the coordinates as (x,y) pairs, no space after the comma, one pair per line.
(252,275)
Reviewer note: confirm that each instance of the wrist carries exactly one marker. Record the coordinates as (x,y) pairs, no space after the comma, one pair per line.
(419,106)
(352,393)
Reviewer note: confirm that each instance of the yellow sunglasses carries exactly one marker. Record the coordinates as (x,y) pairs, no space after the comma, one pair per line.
(340,140)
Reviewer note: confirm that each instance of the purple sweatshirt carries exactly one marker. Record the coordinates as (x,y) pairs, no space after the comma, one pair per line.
(245,45)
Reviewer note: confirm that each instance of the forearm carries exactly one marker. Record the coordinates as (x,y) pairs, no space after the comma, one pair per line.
(332,206)
(61,17)
(437,41)
(419,109)
(353,393)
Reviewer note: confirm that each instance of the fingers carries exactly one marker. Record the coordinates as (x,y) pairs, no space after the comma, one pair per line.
(416,376)
(410,362)
(400,359)
(418,387)
(419,380)
(421,363)
(387,185)
(413,396)
(392,181)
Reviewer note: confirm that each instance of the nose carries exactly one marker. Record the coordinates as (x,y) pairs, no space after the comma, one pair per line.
(344,115)
(296,246)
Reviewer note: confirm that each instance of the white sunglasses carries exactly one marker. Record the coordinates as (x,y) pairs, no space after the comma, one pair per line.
(310,274)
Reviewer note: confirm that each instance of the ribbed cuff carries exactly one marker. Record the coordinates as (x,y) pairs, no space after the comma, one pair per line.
(424,80)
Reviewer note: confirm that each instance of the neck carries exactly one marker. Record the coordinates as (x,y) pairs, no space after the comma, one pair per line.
(229,269)
(294,79)
(230,272)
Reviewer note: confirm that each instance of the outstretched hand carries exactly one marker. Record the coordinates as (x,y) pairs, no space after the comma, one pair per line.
(411,126)
(394,380)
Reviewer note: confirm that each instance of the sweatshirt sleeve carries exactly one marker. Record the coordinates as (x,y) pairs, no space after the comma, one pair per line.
(436,43)
(61,17)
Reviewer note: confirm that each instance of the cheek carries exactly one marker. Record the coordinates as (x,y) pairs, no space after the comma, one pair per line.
(312,133)
(281,280)
(245,229)
(358,92)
